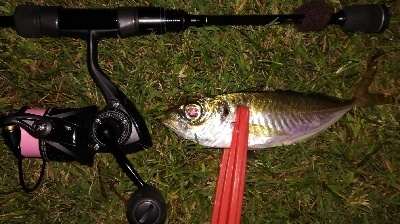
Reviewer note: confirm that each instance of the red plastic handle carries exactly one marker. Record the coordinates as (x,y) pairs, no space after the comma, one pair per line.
(228,198)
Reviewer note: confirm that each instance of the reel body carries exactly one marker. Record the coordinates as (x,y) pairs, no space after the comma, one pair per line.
(76,134)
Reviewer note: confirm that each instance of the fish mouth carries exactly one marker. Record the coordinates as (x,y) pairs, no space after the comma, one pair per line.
(169,124)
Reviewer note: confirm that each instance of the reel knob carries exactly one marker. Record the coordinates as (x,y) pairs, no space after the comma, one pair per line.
(146,206)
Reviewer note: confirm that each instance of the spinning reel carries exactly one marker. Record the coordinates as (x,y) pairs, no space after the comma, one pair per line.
(68,134)
(76,134)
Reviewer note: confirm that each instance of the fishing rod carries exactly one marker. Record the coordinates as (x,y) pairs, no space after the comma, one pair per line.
(77,134)
(53,21)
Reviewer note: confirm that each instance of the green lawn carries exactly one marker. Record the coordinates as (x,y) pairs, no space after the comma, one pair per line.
(348,174)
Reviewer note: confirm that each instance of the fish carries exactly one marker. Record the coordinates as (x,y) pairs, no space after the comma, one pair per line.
(277,118)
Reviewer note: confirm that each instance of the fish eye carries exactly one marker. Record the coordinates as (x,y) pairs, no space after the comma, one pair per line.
(192,111)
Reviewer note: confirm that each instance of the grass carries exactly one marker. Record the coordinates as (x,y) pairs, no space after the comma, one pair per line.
(348,174)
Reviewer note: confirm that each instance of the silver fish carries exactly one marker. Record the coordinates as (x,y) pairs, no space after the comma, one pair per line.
(276,117)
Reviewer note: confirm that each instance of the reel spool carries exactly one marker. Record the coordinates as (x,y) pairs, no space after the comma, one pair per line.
(55,134)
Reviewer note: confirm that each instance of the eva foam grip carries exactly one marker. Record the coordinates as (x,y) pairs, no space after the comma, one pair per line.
(366,18)
(30,145)
(36,21)
(316,16)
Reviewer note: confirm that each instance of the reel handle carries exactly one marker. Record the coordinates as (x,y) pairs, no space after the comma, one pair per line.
(108,132)
(146,204)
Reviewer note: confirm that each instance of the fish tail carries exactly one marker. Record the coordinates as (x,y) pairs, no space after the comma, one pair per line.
(362,97)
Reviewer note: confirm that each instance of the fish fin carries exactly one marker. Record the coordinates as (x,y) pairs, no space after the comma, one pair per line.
(259,88)
(266,131)
(362,97)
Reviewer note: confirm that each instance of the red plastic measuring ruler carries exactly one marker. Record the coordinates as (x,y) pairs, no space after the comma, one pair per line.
(228,198)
